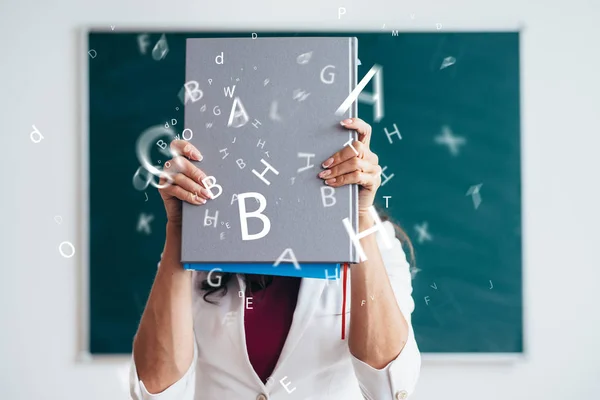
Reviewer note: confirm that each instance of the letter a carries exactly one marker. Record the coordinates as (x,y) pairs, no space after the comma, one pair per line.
(292,259)
(240,115)
(375,98)
(256,214)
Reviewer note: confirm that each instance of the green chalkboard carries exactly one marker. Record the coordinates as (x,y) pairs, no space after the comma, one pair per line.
(464,86)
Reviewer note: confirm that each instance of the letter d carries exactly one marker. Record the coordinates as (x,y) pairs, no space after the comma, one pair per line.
(36,132)
(217,58)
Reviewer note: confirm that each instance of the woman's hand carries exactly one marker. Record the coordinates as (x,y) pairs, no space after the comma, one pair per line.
(355,163)
(187,180)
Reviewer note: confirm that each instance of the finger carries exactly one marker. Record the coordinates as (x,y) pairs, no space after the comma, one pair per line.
(354,149)
(183,165)
(367,180)
(185,148)
(360,126)
(182,194)
(190,186)
(353,164)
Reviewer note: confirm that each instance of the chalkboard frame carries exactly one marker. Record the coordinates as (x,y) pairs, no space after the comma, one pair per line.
(83,353)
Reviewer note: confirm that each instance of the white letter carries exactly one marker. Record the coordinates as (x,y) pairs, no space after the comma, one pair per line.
(62,253)
(387,178)
(395,32)
(426,300)
(362,303)
(141,184)
(143,43)
(215,109)
(330,196)
(356,237)
(162,144)
(218,277)
(233,198)
(206,217)
(183,134)
(229,91)
(262,175)
(375,98)
(256,214)
(217,58)
(241,164)
(241,113)
(143,223)
(331,75)
(293,259)
(286,385)
(390,134)
(340,13)
(210,185)
(438,26)
(256,123)
(386,200)
(161,48)
(349,143)
(35,131)
(193,93)
(308,164)
(249,302)
(261,144)
(254,35)
(336,276)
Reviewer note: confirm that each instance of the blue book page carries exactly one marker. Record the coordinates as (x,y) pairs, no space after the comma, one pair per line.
(317,271)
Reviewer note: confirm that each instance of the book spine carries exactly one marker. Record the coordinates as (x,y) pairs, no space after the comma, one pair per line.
(353,114)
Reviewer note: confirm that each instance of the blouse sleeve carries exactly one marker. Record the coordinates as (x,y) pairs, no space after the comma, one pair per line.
(183,389)
(398,379)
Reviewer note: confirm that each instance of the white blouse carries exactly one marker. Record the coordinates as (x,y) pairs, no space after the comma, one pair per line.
(315,364)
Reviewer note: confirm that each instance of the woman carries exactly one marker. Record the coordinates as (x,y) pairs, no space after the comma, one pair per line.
(198,342)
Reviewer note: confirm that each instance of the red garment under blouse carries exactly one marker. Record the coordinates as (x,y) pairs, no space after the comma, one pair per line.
(268,322)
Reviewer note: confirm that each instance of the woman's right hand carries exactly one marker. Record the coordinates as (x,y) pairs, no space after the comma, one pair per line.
(186,181)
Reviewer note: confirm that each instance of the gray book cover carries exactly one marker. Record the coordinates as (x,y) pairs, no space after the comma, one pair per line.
(262,113)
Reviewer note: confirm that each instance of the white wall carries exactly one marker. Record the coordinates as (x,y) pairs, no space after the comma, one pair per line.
(561,140)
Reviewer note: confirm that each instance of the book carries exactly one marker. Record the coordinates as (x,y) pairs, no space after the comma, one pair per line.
(263,114)
(314,270)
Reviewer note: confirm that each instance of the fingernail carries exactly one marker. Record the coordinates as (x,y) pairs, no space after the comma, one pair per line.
(330,181)
(197,155)
(325,173)
(199,199)
(206,193)
(327,162)
(346,122)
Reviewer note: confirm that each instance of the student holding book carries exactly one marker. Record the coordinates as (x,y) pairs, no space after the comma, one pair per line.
(284,345)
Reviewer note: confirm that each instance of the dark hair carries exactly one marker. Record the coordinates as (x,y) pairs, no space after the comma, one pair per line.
(263,281)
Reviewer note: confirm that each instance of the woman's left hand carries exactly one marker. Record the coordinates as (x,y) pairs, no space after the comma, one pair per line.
(355,163)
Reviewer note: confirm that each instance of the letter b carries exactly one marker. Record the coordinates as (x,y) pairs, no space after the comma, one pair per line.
(209,185)
(330,196)
(244,215)
(192,91)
